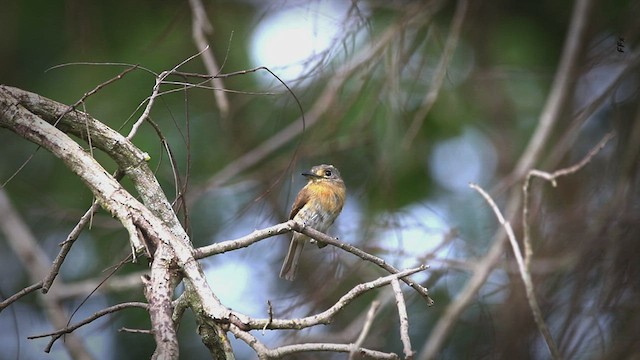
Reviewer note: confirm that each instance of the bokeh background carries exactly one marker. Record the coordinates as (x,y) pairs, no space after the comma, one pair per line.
(411,100)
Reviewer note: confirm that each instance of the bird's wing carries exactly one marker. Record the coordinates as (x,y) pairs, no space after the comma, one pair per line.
(301,200)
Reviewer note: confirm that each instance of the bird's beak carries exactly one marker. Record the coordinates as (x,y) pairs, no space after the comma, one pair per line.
(309,174)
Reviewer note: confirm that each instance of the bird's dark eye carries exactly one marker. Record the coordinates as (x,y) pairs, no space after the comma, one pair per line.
(327,173)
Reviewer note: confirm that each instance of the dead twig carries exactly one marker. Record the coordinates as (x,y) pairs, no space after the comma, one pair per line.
(524,273)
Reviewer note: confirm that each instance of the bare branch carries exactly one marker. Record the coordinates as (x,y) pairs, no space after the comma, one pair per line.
(524,273)
(156,91)
(290,225)
(439,74)
(575,168)
(528,250)
(373,309)
(136,331)
(15,297)
(326,316)
(404,320)
(317,235)
(160,226)
(255,236)
(201,27)
(67,330)
(562,84)
(283,351)
(158,291)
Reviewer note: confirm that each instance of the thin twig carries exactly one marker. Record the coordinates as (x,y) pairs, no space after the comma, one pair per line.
(68,110)
(154,94)
(572,169)
(55,335)
(439,74)
(35,262)
(15,297)
(135,331)
(93,92)
(242,242)
(404,320)
(89,63)
(562,84)
(264,352)
(528,250)
(526,276)
(373,309)
(201,26)
(317,235)
(568,139)
(71,238)
(326,316)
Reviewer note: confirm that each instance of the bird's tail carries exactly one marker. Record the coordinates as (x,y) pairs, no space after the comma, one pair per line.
(290,265)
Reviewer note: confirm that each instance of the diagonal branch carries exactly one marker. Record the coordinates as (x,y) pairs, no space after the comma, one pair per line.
(292,225)
(524,273)
(439,74)
(551,177)
(55,335)
(326,316)
(404,319)
(317,235)
(31,116)
(282,352)
(202,26)
(563,83)
(373,309)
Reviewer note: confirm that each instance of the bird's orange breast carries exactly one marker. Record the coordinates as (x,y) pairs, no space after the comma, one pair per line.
(327,196)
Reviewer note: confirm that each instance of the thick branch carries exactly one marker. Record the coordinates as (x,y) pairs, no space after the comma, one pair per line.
(155,228)
(158,290)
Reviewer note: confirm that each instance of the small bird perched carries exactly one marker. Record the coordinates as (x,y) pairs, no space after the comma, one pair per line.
(317,205)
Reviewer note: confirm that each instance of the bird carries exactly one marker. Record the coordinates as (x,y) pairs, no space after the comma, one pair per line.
(317,205)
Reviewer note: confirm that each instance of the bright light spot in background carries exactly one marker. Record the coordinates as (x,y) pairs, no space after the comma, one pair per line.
(417,231)
(241,278)
(595,82)
(467,158)
(349,224)
(230,281)
(244,286)
(286,41)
